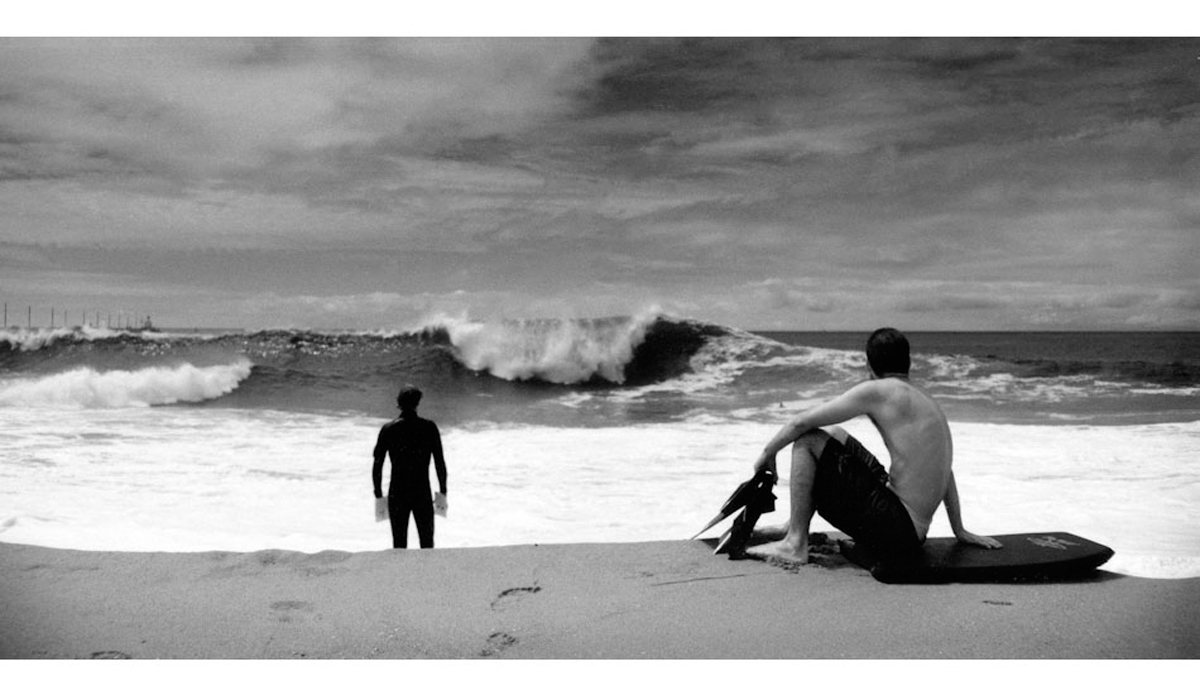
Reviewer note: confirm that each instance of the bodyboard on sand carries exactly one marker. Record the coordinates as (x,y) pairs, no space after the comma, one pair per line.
(1024,557)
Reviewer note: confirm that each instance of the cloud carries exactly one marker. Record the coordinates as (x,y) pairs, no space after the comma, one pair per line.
(1008,305)
(972,302)
(205,109)
(950,174)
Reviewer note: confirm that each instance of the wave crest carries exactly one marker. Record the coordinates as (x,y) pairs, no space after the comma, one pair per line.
(85,387)
(556,351)
(35,339)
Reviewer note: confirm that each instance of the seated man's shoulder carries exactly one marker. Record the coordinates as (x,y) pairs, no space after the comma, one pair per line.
(874,389)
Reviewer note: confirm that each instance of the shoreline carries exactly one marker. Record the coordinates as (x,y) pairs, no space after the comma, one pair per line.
(645,600)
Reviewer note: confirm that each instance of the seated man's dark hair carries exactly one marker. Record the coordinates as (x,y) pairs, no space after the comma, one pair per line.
(887,352)
(409,398)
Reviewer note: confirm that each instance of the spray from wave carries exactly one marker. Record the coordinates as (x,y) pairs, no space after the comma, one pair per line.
(619,350)
(85,387)
(560,352)
(32,340)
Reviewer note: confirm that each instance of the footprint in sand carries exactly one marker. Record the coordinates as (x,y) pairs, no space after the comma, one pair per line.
(496,643)
(510,596)
(110,654)
(285,609)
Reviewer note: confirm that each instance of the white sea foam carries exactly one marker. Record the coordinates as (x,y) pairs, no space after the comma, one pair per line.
(1180,392)
(722,361)
(85,387)
(717,363)
(564,352)
(944,367)
(31,339)
(200,479)
(1044,390)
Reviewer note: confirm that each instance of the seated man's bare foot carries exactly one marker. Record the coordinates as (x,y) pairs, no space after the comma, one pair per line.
(781,551)
(769,533)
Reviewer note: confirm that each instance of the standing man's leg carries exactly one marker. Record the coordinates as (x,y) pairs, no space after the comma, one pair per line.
(398,509)
(423,516)
(806,451)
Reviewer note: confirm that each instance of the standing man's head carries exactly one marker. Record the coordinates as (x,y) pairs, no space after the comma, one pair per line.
(887,353)
(409,399)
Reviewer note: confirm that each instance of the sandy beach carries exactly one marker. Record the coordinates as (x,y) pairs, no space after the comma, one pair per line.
(658,600)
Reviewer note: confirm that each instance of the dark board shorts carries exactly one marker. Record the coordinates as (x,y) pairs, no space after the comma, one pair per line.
(850,491)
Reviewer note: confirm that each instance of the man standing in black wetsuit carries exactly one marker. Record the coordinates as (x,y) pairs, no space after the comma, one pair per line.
(409,441)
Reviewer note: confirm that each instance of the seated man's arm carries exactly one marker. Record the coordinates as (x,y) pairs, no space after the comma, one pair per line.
(954,511)
(857,401)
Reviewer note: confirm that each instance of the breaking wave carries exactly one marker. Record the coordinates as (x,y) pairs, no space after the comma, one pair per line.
(619,350)
(85,387)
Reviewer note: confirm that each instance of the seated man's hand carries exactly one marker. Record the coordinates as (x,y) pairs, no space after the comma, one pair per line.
(965,536)
(767,462)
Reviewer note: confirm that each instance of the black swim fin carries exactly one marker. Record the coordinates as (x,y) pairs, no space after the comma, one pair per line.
(741,497)
(733,542)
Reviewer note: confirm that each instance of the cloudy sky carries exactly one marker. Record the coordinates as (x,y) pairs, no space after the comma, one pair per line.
(802,183)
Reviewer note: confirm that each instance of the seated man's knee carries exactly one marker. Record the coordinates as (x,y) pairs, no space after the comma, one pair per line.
(812,441)
(838,433)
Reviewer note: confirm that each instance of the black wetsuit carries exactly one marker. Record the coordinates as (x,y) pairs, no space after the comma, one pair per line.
(409,441)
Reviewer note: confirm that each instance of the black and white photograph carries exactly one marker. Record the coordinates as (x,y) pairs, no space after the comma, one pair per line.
(595,344)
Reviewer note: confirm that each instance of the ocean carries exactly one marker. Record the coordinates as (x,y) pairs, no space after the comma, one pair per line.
(560,431)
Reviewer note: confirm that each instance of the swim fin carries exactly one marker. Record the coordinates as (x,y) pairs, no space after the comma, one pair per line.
(740,498)
(733,542)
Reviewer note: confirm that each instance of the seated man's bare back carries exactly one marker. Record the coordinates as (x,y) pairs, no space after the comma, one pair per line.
(917,438)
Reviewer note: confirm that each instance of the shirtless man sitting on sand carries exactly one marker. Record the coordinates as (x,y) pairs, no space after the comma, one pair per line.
(833,474)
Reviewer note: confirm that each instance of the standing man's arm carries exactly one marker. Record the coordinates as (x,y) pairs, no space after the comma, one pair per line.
(377,469)
(439,461)
(954,511)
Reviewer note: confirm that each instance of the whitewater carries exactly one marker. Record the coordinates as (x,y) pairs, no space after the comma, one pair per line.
(618,430)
